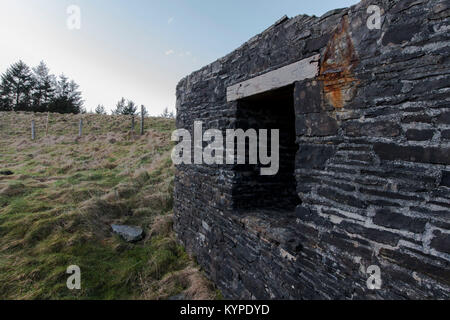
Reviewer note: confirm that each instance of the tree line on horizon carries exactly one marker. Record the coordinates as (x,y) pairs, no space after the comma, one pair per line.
(128,107)
(37,90)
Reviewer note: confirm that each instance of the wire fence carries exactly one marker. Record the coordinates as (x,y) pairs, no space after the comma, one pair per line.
(39,125)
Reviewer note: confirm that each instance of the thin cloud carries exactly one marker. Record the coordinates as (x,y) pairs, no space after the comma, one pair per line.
(171,19)
(185,54)
(169,52)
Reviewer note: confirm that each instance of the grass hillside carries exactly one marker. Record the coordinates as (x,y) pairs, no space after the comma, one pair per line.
(59,195)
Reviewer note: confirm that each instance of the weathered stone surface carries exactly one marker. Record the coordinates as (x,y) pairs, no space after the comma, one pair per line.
(364,160)
(129,234)
(338,66)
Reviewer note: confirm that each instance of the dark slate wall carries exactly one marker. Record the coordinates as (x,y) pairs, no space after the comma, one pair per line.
(372,170)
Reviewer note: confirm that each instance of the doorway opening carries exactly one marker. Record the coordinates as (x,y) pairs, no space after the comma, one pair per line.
(269,110)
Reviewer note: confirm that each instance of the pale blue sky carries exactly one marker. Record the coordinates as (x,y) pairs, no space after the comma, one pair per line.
(138,49)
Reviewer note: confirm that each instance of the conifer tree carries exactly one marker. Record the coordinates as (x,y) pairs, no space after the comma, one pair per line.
(100,109)
(16,87)
(44,88)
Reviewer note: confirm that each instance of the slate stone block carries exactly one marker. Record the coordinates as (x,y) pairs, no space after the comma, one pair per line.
(387,151)
(128,233)
(444,118)
(314,156)
(410,262)
(395,220)
(419,135)
(308,97)
(419,118)
(445,134)
(400,33)
(445,179)
(317,124)
(441,242)
(313,45)
(379,236)
(372,129)
(341,198)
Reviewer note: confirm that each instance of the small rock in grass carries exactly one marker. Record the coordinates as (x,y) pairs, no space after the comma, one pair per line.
(129,234)
(178,297)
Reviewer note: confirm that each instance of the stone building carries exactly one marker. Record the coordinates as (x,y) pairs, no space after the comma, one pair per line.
(364,179)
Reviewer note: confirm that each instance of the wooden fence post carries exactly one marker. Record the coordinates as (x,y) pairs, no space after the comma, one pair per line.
(132,123)
(33,130)
(80,128)
(142,120)
(46,125)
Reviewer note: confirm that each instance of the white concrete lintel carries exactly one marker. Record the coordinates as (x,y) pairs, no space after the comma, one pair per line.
(304,69)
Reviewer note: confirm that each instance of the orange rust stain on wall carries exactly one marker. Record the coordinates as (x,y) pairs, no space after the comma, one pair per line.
(336,70)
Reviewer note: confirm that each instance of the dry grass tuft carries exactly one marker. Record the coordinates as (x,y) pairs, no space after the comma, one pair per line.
(190,279)
(162,226)
(12,190)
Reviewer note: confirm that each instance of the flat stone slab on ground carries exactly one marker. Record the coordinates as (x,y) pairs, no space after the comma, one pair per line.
(180,296)
(128,233)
